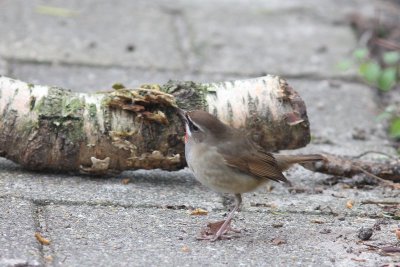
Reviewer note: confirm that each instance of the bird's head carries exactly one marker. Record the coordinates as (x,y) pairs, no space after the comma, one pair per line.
(201,125)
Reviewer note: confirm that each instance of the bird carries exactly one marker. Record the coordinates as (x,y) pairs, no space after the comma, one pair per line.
(225,160)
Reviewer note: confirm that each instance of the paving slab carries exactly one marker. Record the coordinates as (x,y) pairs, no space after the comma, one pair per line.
(146,189)
(117,236)
(88,46)
(17,230)
(267,37)
(238,37)
(147,221)
(92,78)
(343,117)
(134,33)
(161,195)
(179,190)
(85,78)
(3,66)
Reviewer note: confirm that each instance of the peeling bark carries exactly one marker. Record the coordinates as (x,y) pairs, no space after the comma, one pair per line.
(50,128)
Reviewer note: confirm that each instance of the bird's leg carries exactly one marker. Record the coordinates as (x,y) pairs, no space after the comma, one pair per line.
(225,225)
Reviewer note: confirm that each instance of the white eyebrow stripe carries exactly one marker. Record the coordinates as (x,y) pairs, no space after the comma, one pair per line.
(195,124)
(188,129)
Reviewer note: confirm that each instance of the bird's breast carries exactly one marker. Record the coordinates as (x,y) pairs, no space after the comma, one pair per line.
(209,167)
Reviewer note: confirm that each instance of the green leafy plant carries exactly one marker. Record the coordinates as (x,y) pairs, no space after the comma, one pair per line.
(391,114)
(384,75)
(394,129)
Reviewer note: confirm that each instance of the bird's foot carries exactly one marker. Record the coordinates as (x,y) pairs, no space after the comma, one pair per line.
(214,231)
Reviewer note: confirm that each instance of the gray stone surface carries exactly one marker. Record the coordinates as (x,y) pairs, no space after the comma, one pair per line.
(268,38)
(17,230)
(89,45)
(134,33)
(84,235)
(146,189)
(146,222)
(91,79)
(338,111)
(3,67)
(240,38)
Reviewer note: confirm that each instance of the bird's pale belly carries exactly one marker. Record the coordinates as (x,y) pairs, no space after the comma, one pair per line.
(211,170)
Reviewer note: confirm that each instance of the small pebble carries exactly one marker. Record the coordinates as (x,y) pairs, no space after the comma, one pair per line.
(365,233)
(325,231)
(277,225)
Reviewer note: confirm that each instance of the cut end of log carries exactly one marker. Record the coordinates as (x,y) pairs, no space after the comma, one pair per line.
(267,108)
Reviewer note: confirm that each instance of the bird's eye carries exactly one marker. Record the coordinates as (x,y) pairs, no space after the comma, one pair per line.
(193,127)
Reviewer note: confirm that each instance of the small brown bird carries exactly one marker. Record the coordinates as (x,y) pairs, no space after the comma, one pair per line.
(225,160)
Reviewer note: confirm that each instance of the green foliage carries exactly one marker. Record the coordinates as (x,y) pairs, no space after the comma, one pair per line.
(344,65)
(391,58)
(387,79)
(118,86)
(55,11)
(383,77)
(360,53)
(390,114)
(394,130)
(371,71)
(387,114)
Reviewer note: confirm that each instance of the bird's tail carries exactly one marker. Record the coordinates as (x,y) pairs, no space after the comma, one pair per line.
(285,161)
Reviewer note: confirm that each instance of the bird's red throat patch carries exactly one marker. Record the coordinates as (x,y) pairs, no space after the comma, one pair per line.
(186,137)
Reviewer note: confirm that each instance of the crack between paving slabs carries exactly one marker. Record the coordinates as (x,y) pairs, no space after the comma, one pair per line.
(42,203)
(40,226)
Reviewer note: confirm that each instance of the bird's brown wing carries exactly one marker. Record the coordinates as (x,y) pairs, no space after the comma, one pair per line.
(257,163)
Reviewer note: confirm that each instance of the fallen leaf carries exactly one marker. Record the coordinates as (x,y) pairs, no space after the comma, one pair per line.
(278,241)
(198,211)
(350,204)
(41,239)
(213,227)
(48,258)
(185,249)
(126,181)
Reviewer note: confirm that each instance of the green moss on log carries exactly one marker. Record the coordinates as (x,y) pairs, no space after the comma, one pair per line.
(189,95)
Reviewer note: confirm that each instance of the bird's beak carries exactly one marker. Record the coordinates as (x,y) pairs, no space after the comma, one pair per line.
(182,114)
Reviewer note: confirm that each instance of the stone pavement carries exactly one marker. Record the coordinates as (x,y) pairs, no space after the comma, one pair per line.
(90,45)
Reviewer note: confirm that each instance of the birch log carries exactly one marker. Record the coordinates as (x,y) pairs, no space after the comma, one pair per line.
(50,128)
